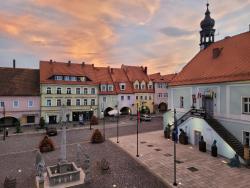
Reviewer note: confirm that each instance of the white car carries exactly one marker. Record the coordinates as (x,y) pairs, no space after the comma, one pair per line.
(145,117)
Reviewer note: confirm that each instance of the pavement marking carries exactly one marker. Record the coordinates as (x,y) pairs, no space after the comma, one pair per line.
(36,149)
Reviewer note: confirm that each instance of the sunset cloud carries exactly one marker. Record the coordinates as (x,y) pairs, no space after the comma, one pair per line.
(160,34)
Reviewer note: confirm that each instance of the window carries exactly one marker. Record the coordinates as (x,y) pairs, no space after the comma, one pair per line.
(78,91)
(145,97)
(136,97)
(30,103)
(73,78)
(1,104)
(165,94)
(104,99)
(159,85)
(30,119)
(142,86)
(58,77)
(58,102)
(246,137)
(194,99)
(149,97)
(159,95)
(92,102)
(246,105)
(78,102)
(128,97)
(103,88)
(48,102)
(48,90)
(66,78)
(181,102)
(122,87)
(150,86)
(15,104)
(85,91)
(68,90)
(59,90)
(110,88)
(141,97)
(136,86)
(92,91)
(122,98)
(85,102)
(68,102)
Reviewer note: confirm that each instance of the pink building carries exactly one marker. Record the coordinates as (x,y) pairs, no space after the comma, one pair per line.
(19,95)
(161,90)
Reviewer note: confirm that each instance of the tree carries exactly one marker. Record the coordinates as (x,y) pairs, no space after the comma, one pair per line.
(18,126)
(42,123)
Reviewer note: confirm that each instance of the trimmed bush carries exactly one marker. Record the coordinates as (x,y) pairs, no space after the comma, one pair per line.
(42,123)
(94,120)
(97,137)
(18,127)
(46,145)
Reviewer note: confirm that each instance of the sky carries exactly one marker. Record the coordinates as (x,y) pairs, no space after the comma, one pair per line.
(160,34)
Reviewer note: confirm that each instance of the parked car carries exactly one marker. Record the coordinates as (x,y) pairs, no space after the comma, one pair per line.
(145,117)
(51,131)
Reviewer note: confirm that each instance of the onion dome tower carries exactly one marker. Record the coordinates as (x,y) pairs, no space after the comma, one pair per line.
(207,30)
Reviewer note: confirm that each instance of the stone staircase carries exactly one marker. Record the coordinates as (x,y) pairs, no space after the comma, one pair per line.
(218,128)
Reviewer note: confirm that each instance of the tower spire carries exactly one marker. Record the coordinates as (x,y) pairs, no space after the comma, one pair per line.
(207,29)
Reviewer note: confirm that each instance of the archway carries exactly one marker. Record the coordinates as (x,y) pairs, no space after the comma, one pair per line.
(163,107)
(11,121)
(125,111)
(107,110)
(145,110)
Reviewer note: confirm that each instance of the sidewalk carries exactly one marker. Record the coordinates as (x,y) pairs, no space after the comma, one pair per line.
(194,168)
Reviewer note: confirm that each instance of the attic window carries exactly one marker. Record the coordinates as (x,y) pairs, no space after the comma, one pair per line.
(216,52)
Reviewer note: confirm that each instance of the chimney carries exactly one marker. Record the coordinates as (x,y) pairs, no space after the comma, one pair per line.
(69,62)
(14,63)
(93,65)
(112,70)
(83,63)
(146,70)
(249,27)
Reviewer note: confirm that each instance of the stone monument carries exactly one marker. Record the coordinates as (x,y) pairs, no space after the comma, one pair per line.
(64,173)
(40,167)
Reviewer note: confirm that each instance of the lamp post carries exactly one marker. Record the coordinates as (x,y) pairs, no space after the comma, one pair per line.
(103,121)
(117,125)
(175,140)
(137,124)
(4,133)
(90,116)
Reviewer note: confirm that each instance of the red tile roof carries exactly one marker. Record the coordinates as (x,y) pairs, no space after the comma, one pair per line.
(49,69)
(19,82)
(157,77)
(119,76)
(231,64)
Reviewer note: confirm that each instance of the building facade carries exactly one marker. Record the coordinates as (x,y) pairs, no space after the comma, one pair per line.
(68,86)
(216,80)
(19,96)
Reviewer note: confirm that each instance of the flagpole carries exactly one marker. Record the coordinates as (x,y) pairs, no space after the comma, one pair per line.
(137,154)
(175,139)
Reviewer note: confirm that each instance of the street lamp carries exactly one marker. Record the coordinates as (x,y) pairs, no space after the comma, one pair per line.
(90,116)
(137,124)
(175,140)
(103,122)
(117,125)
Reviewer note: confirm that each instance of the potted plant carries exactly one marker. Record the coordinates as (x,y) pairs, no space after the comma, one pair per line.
(97,137)
(18,127)
(46,145)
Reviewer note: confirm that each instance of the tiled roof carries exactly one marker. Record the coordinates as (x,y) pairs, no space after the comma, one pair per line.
(19,82)
(136,73)
(49,69)
(119,76)
(157,77)
(227,60)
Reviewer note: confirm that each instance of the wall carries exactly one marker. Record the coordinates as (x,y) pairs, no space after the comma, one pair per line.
(157,99)
(111,101)
(149,102)
(126,102)
(192,124)
(23,110)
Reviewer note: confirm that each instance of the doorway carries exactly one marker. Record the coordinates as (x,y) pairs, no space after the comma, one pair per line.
(208,105)
(197,136)
(52,119)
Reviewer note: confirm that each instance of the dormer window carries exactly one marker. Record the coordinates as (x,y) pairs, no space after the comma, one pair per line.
(136,86)
(110,87)
(73,78)
(103,87)
(122,87)
(66,78)
(58,78)
(150,86)
(142,86)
